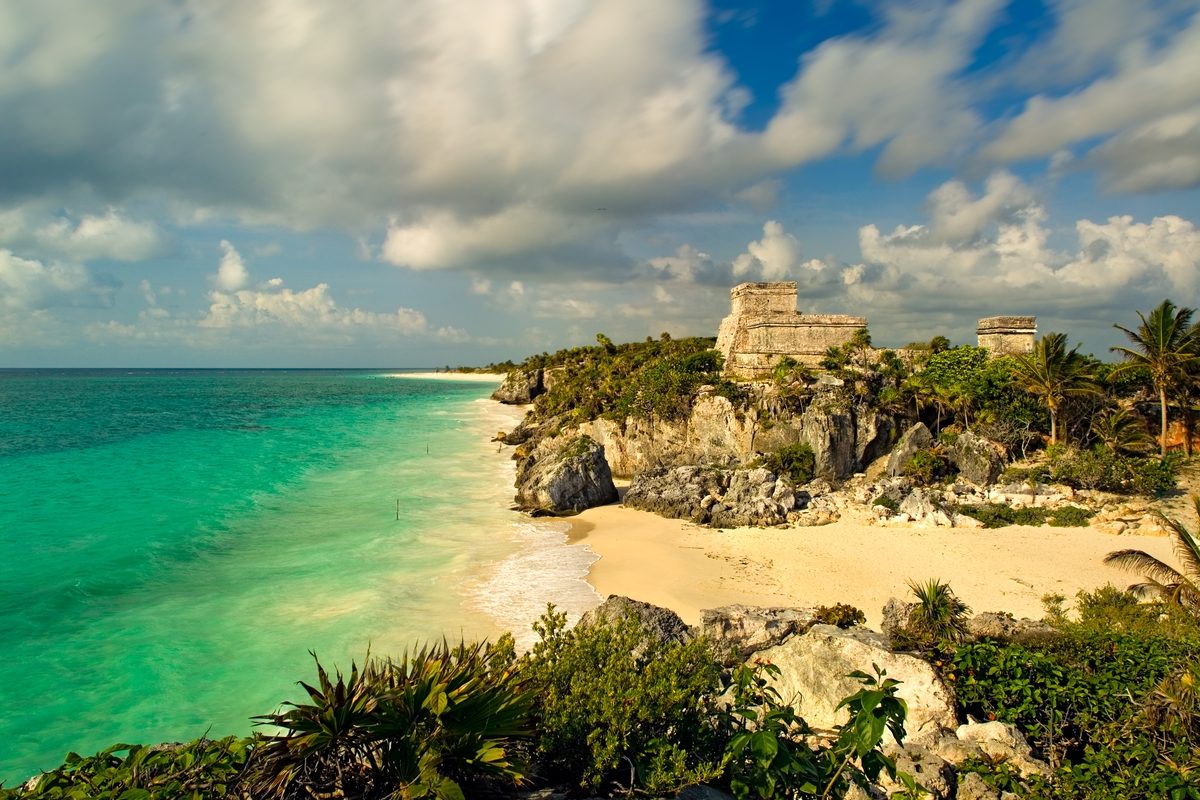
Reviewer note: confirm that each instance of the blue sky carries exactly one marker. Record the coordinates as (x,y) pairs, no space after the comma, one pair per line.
(302,183)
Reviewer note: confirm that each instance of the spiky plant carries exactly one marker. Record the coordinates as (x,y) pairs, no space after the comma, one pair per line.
(939,615)
(1180,587)
(410,728)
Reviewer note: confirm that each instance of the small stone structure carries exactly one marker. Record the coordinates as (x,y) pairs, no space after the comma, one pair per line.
(1007,336)
(764,326)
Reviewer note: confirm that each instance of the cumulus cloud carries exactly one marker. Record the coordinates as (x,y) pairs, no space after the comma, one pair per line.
(1012,267)
(87,237)
(774,257)
(313,310)
(27,284)
(231,272)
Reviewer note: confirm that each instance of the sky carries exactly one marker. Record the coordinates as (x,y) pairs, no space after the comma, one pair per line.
(387,183)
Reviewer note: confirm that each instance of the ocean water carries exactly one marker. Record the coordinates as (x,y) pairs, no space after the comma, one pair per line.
(173,543)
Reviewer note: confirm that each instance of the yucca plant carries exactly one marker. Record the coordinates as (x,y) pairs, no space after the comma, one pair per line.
(1180,587)
(415,727)
(939,616)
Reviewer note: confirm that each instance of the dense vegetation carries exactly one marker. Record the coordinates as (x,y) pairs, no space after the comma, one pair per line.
(1111,703)
(605,707)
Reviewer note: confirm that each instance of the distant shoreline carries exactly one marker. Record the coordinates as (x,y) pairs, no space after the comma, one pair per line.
(473,377)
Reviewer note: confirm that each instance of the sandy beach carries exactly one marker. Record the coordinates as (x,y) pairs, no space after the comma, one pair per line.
(688,568)
(475,377)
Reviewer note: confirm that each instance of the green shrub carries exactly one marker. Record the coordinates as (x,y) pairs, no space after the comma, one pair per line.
(1103,468)
(1071,517)
(1028,475)
(939,617)
(841,615)
(204,768)
(608,692)
(1001,515)
(1062,692)
(796,462)
(886,502)
(928,466)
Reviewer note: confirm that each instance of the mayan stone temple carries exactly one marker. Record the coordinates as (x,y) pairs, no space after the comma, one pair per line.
(1007,336)
(764,326)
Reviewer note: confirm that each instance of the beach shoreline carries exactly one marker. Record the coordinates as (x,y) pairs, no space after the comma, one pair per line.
(472,377)
(688,568)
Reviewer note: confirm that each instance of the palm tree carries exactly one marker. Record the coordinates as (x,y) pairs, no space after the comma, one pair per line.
(1053,374)
(1177,586)
(1122,430)
(1166,345)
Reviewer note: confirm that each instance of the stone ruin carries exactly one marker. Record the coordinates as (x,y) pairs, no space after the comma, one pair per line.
(1007,336)
(764,326)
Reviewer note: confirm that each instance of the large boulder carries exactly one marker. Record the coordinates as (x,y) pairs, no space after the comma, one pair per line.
(914,439)
(814,669)
(722,498)
(829,430)
(976,458)
(755,497)
(565,478)
(660,624)
(520,387)
(678,493)
(742,631)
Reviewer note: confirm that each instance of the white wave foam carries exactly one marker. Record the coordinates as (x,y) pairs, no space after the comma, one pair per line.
(545,569)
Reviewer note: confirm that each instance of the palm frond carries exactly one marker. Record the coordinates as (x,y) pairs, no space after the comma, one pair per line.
(1143,562)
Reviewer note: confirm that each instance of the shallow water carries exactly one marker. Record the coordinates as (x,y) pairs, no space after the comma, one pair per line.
(172,543)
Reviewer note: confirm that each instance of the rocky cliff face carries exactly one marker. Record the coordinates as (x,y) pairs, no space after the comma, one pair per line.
(843,435)
(564,477)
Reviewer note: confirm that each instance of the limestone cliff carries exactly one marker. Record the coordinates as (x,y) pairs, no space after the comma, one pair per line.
(844,435)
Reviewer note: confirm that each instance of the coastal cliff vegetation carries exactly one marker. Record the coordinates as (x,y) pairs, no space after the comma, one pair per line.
(1053,415)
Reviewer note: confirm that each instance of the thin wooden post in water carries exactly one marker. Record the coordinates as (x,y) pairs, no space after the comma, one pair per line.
(397,509)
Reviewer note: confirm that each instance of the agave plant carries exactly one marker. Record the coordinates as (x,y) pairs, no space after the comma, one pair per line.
(939,616)
(415,727)
(1179,587)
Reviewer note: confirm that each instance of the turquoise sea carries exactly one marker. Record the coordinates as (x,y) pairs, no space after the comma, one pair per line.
(174,542)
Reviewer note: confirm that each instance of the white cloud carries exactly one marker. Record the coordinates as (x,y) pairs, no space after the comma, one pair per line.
(311,309)
(27,284)
(231,272)
(956,217)
(773,257)
(1147,104)
(36,230)
(1011,265)
(898,87)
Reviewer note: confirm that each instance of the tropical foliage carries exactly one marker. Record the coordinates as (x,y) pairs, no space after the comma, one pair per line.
(1052,374)
(1177,586)
(1165,344)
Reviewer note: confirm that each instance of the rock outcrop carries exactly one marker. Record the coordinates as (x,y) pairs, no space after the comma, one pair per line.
(742,631)
(564,478)
(843,435)
(916,438)
(520,387)
(814,667)
(976,458)
(661,624)
(721,498)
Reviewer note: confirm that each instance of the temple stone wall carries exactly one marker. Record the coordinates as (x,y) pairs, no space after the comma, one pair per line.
(1006,336)
(764,326)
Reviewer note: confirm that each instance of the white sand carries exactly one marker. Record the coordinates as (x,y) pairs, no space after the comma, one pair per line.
(687,568)
(477,377)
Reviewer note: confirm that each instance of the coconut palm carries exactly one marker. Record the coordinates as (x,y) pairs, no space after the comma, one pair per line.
(1053,373)
(1122,430)
(1176,586)
(1165,344)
